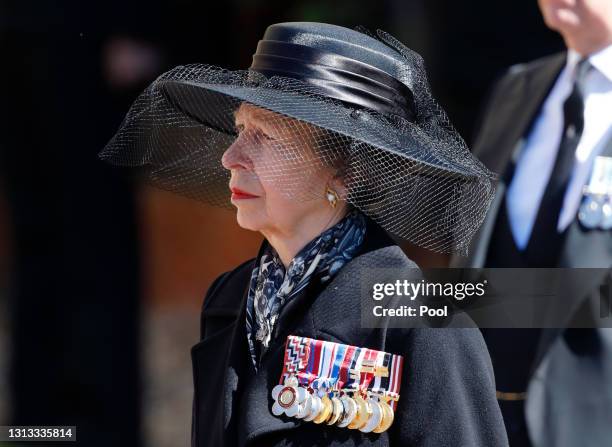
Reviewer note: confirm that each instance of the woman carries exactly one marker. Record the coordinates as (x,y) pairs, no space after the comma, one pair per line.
(331,140)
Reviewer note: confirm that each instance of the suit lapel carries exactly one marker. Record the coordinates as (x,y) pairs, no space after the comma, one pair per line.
(514,112)
(502,136)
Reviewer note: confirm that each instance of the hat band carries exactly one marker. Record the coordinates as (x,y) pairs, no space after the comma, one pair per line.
(336,76)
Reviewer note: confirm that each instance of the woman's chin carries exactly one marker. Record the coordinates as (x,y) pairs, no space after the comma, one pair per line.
(248,220)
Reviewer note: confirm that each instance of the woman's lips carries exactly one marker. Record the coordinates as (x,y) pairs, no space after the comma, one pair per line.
(240,194)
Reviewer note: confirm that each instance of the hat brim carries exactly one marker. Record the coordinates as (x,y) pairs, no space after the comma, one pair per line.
(200,101)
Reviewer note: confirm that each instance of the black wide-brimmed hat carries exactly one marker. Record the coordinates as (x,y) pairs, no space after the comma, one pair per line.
(360,101)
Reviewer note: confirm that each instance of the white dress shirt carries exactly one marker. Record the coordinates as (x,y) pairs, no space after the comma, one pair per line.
(537,158)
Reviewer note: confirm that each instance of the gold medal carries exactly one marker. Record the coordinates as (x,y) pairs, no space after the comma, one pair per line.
(337,410)
(364,411)
(375,418)
(387,419)
(325,412)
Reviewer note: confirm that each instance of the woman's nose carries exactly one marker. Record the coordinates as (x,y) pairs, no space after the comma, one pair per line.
(235,156)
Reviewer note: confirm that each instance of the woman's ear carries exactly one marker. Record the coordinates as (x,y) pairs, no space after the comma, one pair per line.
(337,184)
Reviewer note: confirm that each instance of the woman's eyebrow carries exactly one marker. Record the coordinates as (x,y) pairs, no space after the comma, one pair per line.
(244,117)
(259,120)
(238,117)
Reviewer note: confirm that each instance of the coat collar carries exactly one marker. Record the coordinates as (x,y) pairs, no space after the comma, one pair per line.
(602,61)
(375,238)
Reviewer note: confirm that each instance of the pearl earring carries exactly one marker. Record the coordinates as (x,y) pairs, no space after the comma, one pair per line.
(332,196)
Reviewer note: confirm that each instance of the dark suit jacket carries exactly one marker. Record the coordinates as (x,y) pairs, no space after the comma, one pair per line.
(561,399)
(447,392)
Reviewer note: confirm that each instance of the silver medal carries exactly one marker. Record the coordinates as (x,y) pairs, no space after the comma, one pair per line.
(315,408)
(596,211)
(305,407)
(606,221)
(590,213)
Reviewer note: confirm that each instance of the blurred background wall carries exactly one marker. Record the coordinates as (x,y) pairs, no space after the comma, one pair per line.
(101,279)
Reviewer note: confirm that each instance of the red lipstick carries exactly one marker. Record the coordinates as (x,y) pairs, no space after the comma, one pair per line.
(240,194)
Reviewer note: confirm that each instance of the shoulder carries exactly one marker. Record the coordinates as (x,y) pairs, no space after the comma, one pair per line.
(521,70)
(536,64)
(389,256)
(504,99)
(223,299)
(219,294)
(379,265)
(338,307)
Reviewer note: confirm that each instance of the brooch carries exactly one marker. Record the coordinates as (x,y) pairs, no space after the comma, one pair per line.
(336,384)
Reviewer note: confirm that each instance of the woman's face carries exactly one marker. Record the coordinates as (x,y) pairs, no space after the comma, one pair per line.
(277,181)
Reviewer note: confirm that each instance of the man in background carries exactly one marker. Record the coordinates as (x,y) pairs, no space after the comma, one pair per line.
(547,129)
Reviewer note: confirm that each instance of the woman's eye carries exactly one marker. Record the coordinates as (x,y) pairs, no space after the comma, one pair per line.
(254,133)
(267,137)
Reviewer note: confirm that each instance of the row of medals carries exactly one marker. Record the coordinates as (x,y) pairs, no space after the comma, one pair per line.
(372,414)
(596,212)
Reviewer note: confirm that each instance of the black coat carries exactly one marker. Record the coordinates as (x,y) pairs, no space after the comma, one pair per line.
(447,396)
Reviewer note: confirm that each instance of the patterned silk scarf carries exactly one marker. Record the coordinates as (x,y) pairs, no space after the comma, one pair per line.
(271,286)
